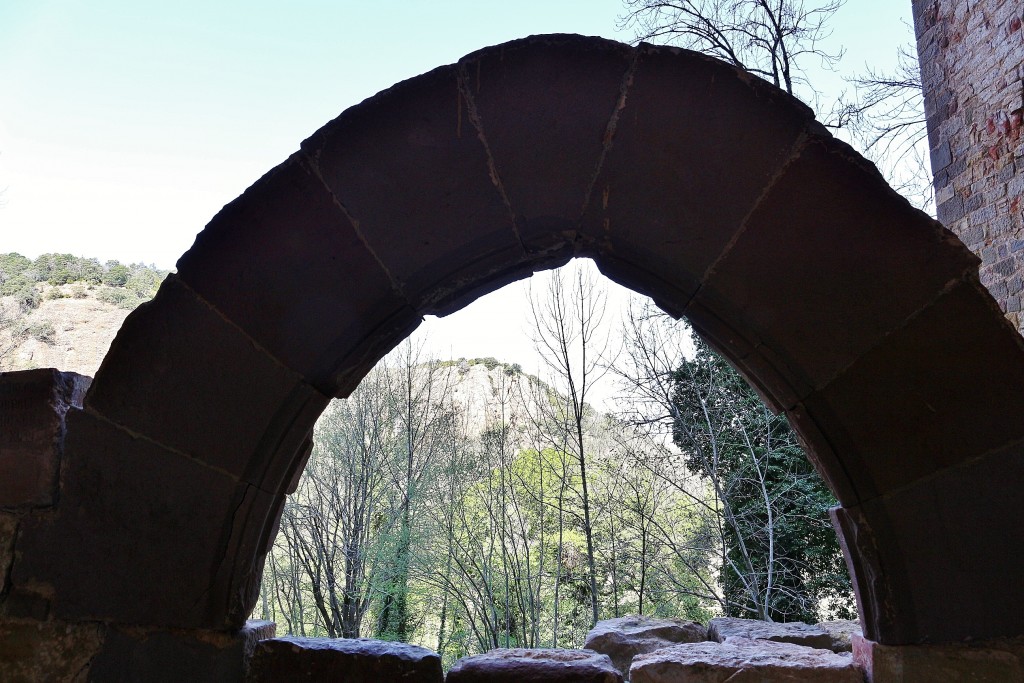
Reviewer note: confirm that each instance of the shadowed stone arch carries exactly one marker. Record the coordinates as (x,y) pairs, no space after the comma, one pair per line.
(684,179)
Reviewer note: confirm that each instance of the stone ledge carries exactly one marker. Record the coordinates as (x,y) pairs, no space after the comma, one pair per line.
(361,660)
(997,661)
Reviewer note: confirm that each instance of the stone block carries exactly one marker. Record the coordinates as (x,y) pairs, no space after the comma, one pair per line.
(140,654)
(32,408)
(740,660)
(140,536)
(915,420)
(178,346)
(687,121)
(53,651)
(546,102)
(518,665)
(410,169)
(841,631)
(624,638)
(355,660)
(851,249)
(795,632)
(286,264)
(949,529)
(976,663)
(8,534)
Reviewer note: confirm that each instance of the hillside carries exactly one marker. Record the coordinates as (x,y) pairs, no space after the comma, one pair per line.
(62,311)
(66,333)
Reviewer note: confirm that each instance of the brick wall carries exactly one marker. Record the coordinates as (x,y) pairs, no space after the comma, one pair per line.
(972,62)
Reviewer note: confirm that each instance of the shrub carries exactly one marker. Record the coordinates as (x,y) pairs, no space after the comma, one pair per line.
(43,331)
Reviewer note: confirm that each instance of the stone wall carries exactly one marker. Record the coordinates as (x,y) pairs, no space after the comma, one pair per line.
(972,58)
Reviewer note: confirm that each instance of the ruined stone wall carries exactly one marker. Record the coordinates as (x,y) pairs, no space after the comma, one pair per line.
(972,63)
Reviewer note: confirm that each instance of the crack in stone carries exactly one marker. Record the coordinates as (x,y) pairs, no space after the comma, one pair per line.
(795,150)
(139,436)
(474,118)
(313,164)
(608,139)
(238,328)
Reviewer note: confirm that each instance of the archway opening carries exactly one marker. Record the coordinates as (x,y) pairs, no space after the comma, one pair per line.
(459,500)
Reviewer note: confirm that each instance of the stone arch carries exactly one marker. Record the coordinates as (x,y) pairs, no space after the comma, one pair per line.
(685,179)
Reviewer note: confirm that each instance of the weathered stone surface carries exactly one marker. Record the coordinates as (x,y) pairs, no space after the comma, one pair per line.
(835,226)
(131,509)
(795,632)
(535,666)
(546,102)
(995,662)
(177,344)
(933,420)
(971,59)
(31,651)
(741,660)
(8,531)
(678,108)
(906,546)
(355,660)
(841,631)
(137,654)
(413,173)
(32,408)
(625,637)
(280,262)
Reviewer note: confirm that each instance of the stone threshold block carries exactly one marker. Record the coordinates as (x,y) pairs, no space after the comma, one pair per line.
(744,660)
(997,661)
(197,656)
(624,638)
(88,652)
(520,665)
(342,660)
(795,632)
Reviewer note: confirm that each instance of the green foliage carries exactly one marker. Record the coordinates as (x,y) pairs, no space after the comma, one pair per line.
(43,331)
(125,286)
(782,557)
(117,274)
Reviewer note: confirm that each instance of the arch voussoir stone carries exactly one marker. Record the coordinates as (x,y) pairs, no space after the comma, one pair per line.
(545,108)
(145,530)
(694,146)
(178,375)
(298,278)
(413,175)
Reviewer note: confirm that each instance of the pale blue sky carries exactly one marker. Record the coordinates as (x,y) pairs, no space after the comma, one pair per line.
(126,124)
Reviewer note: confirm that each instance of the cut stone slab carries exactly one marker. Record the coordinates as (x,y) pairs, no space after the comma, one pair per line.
(626,637)
(349,660)
(742,660)
(517,665)
(841,631)
(196,656)
(52,651)
(997,661)
(33,404)
(795,632)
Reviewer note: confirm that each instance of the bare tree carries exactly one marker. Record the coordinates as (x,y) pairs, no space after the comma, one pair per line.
(766,517)
(330,528)
(567,329)
(770,38)
(885,120)
(419,389)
